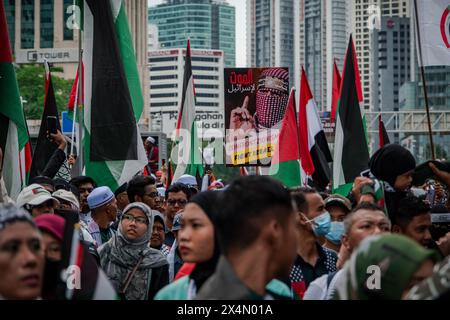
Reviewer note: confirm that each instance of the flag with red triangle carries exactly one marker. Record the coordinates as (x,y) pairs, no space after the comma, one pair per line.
(285,165)
(14,138)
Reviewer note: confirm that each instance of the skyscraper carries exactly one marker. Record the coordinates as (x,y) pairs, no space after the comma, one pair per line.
(322,30)
(210,24)
(390,64)
(366,16)
(270,34)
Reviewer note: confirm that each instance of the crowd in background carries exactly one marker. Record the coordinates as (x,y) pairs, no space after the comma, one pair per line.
(251,238)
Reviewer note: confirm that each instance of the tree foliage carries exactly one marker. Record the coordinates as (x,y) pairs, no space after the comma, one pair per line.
(32,89)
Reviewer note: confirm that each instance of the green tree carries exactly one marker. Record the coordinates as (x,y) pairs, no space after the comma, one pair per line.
(32,89)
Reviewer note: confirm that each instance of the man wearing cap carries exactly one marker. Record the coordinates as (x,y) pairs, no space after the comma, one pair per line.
(158,235)
(103,207)
(190,182)
(152,154)
(36,200)
(338,207)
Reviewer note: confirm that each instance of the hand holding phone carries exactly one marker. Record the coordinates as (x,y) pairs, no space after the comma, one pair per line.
(52,126)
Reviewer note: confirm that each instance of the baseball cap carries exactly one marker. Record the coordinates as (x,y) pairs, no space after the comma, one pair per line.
(151,140)
(177,222)
(68,196)
(159,217)
(99,197)
(336,199)
(35,195)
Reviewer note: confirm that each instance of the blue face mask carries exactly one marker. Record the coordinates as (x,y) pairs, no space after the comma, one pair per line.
(321,224)
(336,232)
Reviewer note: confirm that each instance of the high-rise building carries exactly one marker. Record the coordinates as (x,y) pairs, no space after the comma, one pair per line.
(153,42)
(39,29)
(166,87)
(366,16)
(270,34)
(322,30)
(390,62)
(209,24)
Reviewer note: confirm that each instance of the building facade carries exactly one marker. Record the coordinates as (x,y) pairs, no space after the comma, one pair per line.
(39,29)
(366,17)
(209,24)
(322,30)
(390,62)
(166,87)
(152,42)
(270,34)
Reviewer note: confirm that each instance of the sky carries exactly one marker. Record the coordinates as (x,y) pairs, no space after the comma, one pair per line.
(240,5)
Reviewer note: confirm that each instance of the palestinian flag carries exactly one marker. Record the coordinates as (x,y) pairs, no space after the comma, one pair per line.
(113,102)
(44,147)
(336,89)
(314,152)
(382,133)
(14,138)
(285,165)
(81,278)
(351,154)
(187,152)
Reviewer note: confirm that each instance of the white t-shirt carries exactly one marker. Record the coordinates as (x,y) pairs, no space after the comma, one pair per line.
(319,288)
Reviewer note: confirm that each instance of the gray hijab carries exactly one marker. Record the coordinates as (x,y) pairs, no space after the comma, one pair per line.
(120,255)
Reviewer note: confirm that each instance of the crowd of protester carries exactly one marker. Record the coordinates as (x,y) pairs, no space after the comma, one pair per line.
(251,238)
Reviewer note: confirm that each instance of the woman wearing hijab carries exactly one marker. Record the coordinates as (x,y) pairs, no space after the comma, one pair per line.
(394,165)
(136,270)
(384,267)
(198,244)
(21,255)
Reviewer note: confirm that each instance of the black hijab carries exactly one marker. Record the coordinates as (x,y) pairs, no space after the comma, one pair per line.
(390,162)
(208,201)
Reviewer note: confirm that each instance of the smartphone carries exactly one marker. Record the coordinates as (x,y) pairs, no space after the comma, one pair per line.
(52,124)
(431,196)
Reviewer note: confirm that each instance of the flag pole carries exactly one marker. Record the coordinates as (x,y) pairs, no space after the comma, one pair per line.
(80,104)
(425,92)
(73,123)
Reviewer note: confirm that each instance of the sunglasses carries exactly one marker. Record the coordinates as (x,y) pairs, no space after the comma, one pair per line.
(181,202)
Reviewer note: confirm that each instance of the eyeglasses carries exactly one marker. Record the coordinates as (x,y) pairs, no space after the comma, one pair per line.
(140,220)
(181,202)
(152,195)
